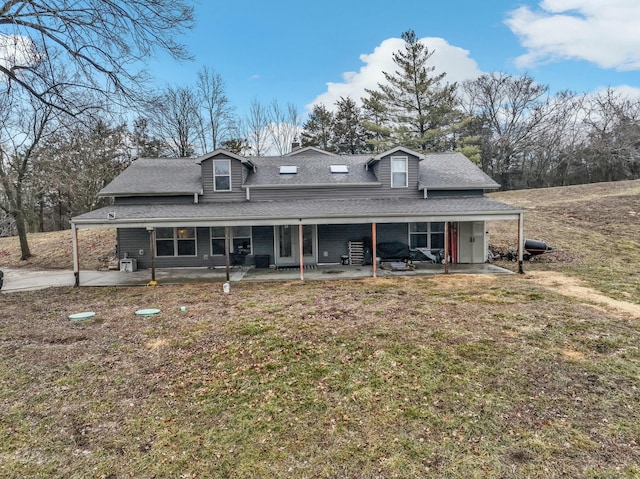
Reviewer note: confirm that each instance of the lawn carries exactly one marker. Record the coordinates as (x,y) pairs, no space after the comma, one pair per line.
(447,376)
(411,377)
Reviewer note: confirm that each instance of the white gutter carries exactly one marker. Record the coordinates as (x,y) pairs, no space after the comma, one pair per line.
(309,220)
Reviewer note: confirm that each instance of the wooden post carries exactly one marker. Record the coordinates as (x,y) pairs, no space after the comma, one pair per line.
(374,248)
(152,248)
(446,247)
(301,251)
(227,250)
(521,243)
(76,256)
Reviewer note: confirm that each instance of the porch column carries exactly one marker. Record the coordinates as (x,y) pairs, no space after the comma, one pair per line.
(521,243)
(76,256)
(374,248)
(152,249)
(301,251)
(446,247)
(227,250)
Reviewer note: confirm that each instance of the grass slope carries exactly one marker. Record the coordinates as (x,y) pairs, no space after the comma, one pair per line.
(448,376)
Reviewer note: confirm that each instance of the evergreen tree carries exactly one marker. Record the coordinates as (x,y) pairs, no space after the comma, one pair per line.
(422,109)
(318,129)
(349,135)
(375,119)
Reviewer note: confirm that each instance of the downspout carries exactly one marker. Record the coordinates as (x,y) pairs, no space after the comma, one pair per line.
(521,243)
(374,248)
(301,251)
(76,256)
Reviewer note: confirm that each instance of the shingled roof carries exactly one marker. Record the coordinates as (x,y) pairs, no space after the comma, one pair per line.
(452,171)
(157,177)
(285,212)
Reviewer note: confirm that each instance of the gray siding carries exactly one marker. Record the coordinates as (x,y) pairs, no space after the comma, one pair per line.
(382,170)
(238,174)
(303,193)
(333,240)
(157,200)
(132,241)
(453,193)
(263,241)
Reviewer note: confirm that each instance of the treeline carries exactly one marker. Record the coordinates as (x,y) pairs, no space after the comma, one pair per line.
(512,127)
(52,163)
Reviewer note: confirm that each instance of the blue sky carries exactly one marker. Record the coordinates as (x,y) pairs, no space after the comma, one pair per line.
(306,52)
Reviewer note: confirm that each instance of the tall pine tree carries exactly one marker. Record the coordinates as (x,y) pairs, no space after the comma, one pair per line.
(318,128)
(420,107)
(349,135)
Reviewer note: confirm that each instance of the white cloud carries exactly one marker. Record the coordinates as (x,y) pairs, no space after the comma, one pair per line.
(447,58)
(624,91)
(16,50)
(604,33)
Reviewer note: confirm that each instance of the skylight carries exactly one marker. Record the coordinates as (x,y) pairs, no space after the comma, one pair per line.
(288,170)
(339,169)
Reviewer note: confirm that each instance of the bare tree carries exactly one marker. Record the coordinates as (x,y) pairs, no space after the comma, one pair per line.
(613,129)
(556,142)
(284,126)
(217,117)
(23,128)
(510,110)
(100,45)
(177,121)
(256,128)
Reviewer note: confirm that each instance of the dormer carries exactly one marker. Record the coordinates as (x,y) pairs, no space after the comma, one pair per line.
(223,174)
(397,170)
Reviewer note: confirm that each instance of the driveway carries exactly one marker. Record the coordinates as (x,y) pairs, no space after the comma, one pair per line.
(24,279)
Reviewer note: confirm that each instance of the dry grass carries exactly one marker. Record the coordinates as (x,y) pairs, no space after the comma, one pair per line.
(595,230)
(453,377)
(54,250)
(448,376)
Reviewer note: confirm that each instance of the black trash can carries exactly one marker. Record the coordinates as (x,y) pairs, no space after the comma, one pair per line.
(262,260)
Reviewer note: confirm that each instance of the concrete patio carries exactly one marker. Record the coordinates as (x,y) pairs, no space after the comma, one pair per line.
(28,280)
(237,274)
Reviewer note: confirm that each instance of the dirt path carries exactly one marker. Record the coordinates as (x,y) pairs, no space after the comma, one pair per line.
(575,288)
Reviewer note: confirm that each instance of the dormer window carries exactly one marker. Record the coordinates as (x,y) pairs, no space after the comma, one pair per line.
(222,175)
(288,170)
(337,169)
(399,172)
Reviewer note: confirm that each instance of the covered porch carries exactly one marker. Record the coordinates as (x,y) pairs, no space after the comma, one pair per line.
(312,255)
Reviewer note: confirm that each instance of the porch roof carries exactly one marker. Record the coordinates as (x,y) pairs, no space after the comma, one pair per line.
(336,211)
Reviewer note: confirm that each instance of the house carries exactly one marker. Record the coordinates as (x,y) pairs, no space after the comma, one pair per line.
(306,207)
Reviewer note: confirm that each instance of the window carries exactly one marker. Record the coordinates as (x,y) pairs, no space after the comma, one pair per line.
(399,176)
(426,235)
(175,242)
(339,168)
(222,175)
(240,240)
